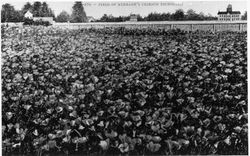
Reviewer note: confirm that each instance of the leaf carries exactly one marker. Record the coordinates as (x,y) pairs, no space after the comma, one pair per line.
(52,144)
(183,142)
(9,115)
(90,88)
(170,95)
(35,132)
(153,147)
(18,77)
(82,140)
(27,107)
(228,140)
(104,145)
(156,139)
(124,148)
(113,134)
(228,70)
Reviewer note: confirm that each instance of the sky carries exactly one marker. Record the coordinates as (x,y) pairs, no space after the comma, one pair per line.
(96,8)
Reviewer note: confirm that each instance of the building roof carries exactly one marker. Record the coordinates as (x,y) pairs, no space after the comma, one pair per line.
(226,12)
(28,13)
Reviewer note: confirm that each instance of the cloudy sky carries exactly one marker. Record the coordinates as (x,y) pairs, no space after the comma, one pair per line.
(124,8)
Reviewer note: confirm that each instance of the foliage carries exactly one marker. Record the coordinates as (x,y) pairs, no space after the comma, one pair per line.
(9,14)
(244,17)
(26,7)
(42,10)
(78,13)
(36,23)
(136,92)
(38,9)
(63,17)
(154,16)
(178,15)
(28,21)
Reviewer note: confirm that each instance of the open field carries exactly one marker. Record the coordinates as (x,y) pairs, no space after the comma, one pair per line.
(124,91)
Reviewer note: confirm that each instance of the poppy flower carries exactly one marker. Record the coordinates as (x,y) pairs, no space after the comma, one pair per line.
(127,123)
(153,147)
(156,139)
(155,127)
(51,136)
(112,134)
(104,145)
(49,111)
(90,87)
(45,122)
(59,109)
(124,148)
(228,140)
(206,122)
(70,108)
(51,144)
(16,145)
(66,139)
(238,129)
(88,122)
(228,70)
(73,114)
(82,139)
(217,119)
(183,142)
(9,115)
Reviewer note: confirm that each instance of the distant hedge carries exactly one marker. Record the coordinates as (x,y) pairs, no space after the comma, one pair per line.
(40,22)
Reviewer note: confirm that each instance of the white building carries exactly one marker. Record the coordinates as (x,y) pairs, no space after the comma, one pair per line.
(133,18)
(90,19)
(28,14)
(229,15)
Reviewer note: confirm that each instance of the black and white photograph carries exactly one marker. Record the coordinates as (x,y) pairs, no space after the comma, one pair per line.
(124,78)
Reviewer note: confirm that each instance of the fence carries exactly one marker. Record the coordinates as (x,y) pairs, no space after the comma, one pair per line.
(183,25)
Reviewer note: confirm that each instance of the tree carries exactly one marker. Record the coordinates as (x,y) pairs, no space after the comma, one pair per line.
(37,9)
(78,13)
(45,10)
(244,17)
(63,17)
(104,18)
(9,14)
(166,16)
(191,15)
(154,17)
(26,7)
(178,15)
(201,16)
(139,18)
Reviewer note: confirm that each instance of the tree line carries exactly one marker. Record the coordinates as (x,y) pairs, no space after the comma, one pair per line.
(41,9)
(78,15)
(178,15)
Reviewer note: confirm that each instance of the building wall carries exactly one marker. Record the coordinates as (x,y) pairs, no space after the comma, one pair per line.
(229,17)
(49,19)
(133,19)
(28,15)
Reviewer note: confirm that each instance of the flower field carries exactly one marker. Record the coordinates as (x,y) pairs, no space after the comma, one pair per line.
(120,91)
